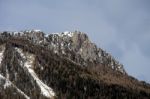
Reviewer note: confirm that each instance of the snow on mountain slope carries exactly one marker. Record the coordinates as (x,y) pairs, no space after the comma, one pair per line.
(45,90)
(8,84)
(62,66)
(2,49)
(66,33)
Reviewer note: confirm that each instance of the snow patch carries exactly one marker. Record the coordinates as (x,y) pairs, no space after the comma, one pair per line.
(70,34)
(81,49)
(27,97)
(55,51)
(45,90)
(99,54)
(66,33)
(8,84)
(37,30)
(20,52)
(2,77)
(63,52)
(1,53)
(62,44)
(34,30)
(29,31)
(46,35)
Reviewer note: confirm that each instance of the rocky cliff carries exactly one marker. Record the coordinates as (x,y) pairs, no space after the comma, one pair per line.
(62,65)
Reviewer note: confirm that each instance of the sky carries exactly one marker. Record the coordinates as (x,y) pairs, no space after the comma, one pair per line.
(121,27)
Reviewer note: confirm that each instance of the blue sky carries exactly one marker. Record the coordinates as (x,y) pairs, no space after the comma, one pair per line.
(121,27)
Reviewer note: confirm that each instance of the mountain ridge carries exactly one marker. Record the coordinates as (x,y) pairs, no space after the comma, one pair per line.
(67,43)
(53,66)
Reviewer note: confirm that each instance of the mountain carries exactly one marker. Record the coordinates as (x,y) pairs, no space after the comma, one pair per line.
(67,65)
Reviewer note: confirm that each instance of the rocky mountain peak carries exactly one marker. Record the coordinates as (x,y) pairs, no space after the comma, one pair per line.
(34,65)
(73,45)
(85,52)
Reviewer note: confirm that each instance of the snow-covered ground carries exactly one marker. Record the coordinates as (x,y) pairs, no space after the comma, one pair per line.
(66,33)
(70,34)
(1,53)
(8,84)
(37,30)
(45,90)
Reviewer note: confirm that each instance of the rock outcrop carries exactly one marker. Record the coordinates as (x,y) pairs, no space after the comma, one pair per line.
(65,65)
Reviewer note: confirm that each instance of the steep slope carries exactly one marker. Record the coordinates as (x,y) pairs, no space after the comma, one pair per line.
(77,46)
(6,86)
(73,45)
(9,90)
(45,90)
(15,67)
(42,67)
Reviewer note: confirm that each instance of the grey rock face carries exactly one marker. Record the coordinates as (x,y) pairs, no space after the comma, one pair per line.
(80,49)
